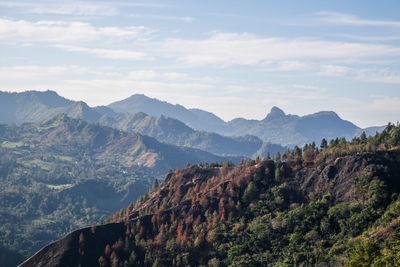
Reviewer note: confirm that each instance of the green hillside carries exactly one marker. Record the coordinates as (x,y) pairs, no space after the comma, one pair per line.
(62,174)
(330,206)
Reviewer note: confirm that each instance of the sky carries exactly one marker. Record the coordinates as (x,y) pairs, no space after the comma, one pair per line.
(232,58)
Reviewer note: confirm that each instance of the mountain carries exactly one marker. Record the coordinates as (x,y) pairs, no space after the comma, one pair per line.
(165,129)
(279,128)
(30,106)
(62,174)
(276,128)
(195,118)
(175,132)
(35,106)
(337,207)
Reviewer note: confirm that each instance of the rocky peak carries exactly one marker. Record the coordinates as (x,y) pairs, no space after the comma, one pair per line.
(275,113)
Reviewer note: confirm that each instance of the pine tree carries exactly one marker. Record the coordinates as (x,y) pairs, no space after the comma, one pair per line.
(155,185)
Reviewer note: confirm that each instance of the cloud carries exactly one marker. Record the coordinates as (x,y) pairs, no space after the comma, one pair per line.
(378,76)
(106,53)
(35,72)
(371,38)
(334,70)
(387,104)
(158,17)
(142,75)
(63,8)
(74,8)
(285,65)
(346,19)
(307,87)
(175,75)
(226,49)
(63,31)
(171,76)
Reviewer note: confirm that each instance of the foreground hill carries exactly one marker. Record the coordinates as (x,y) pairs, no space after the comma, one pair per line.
(335,207)
(62,174)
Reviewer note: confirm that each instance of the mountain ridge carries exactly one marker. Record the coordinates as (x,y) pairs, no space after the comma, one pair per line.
(276,128)
(165,129)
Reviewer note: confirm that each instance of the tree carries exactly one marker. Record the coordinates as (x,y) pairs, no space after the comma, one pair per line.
(324,144)
(297,152)
(363,138)
(249,193)
(278,156)
(364,254)
(155,185)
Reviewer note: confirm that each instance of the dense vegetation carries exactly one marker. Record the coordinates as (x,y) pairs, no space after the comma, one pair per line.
(63,174)
(334,205)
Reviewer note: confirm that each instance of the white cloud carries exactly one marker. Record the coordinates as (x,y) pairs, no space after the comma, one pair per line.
(346,19)
(75,8)
(175,75)
(334,70)
(63,31)
(142,75)
(225,49)
(106,53)
(309,87)
(371,38)
(171,76)
(387,104)
(158,17)
(284,66)
(379,76)
(34,72)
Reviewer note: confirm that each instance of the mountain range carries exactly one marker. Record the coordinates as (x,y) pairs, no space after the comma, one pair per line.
(197,128)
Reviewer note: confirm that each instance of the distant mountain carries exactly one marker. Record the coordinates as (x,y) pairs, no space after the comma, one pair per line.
(62,173)
(176,132)
(279,128)
(195,118)
(30,106)
(276,128)
(35,106)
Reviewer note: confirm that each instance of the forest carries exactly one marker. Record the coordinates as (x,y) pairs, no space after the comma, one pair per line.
(336,204)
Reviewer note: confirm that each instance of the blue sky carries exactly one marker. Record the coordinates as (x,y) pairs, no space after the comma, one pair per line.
(233,58)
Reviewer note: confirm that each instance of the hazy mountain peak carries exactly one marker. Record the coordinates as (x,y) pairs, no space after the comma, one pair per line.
(138,96)
(331,114)
(275,113)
